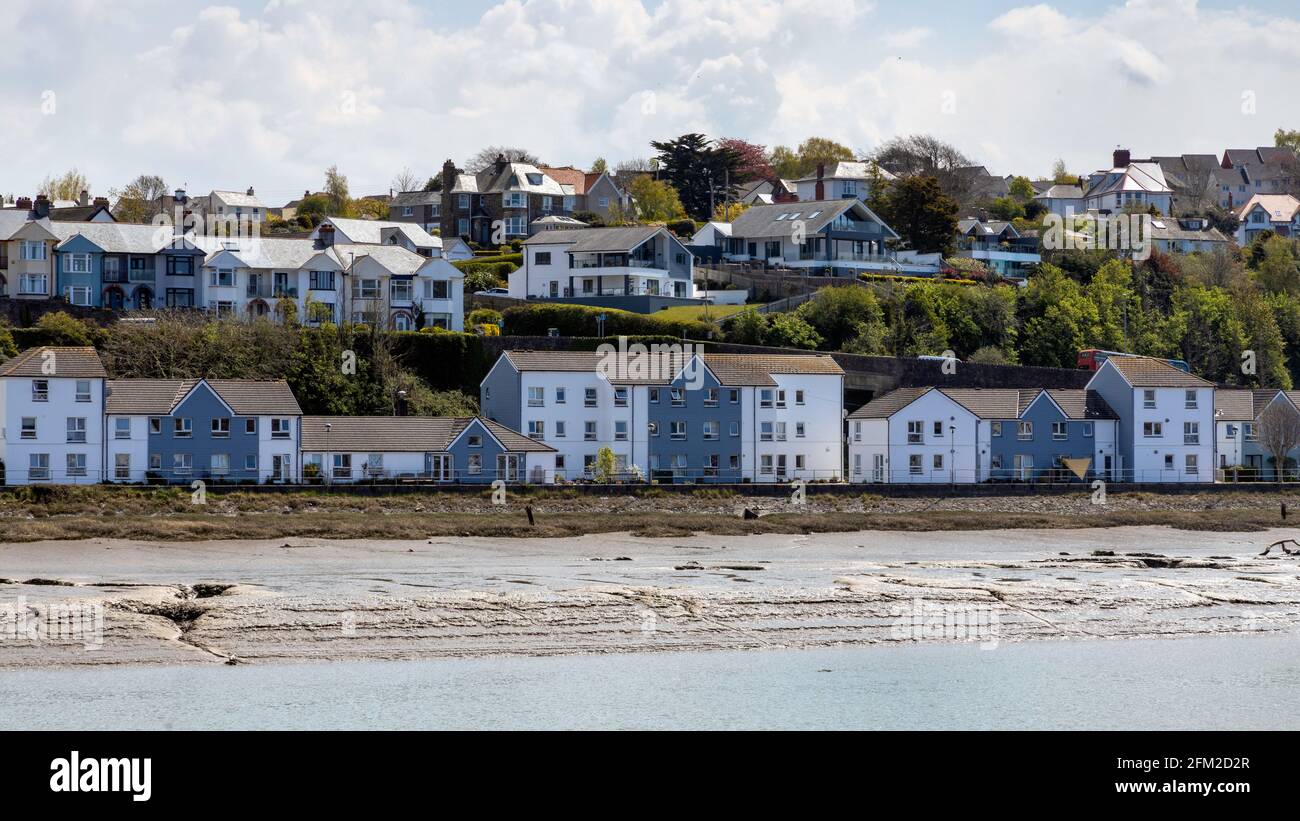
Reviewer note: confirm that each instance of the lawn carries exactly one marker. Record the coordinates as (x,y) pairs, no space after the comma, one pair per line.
(686,313)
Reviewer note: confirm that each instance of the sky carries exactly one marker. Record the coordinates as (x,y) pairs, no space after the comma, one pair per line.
(270,93)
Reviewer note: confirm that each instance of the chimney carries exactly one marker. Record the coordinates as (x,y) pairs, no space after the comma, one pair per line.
(100,202)
(1123,157)
(326,235)
(84,200)
(501,163)
(401,406)
(821,186)
(23,203)
(180,197)
(448,179)
(41,207)
(250,190)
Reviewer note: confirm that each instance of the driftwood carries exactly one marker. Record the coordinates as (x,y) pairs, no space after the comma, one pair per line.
(1282,545)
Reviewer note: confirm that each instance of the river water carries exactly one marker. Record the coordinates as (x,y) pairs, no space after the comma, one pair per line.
(1198,683)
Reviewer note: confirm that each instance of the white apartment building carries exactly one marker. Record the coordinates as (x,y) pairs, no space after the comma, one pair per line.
(52,409)
(598,263)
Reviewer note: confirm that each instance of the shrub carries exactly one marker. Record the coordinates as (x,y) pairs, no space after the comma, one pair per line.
(484,316)
(580,320)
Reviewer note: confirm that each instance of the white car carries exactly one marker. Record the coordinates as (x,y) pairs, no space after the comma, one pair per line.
(493,292)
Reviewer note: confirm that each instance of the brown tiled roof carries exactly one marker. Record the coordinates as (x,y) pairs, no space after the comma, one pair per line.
(568,175)
(158,397)
(1081,404)
(1236,405)
(402,434)
(989,403)
(69,363)
(756,369)
(883,407)
(1143,372)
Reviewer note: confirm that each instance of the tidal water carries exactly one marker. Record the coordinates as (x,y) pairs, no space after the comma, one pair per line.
(1201,683)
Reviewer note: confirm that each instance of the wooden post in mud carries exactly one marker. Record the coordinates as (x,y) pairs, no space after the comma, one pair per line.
(529,510)
(1284,511)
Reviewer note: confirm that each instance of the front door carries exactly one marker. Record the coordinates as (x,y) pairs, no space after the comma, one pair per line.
(280,466)
(878,467)
(1106,466)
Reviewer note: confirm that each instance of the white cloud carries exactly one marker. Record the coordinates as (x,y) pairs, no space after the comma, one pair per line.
(270,95)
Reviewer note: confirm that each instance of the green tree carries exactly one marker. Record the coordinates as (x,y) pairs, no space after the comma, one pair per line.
(747,328)
(8,347)
(606,465)
(1021,190)
(922,215)
(336,191)
(65,186)
(63,330)
(790,331)
(1277,272)
(656,201)
(599,166)
(1111,292)
(698,170)
(1058,320)
(839,315)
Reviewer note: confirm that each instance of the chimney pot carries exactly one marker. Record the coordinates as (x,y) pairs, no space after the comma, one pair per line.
(85,197)
(326,234)
(41,206)
(24,203)
(1123,157)
(250,190)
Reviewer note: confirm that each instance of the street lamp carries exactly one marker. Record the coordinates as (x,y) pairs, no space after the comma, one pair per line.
(952,454)
(329,477)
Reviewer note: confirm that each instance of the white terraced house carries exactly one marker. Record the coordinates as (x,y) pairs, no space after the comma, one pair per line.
(600,265)
(384,283)
(52,410)
(711,418)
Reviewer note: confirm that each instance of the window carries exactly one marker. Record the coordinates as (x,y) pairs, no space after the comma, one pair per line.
(320,280)
(342,468)
(513,199)
(1190,464)
(914,465)
(734,429)
(995,461)
(219,464)
(222,277)
(365,289)
(765,398)
(221,427)
(1087,430)
(654,396)
(589,398)
(915,433)
(33,251)
(620,397)
(677,430)
(1191,433)
(155,424)
(76,428)
(678,397)
(280,429)
(475,464)
(589,431)
(765,432)
(780,399)
(1248,431)
(765,465)
(542,258)
(710,397)
(250,425)
(155,461)
(400,290)
(1153,430)
(734,394)
(799,462)
(516,226)
(561,395)
(375,464)
(589,464)
(712,430)
(1060,430)
(653,428)
(1025,431)
(620,431)
(536,397)
(40,390)
(38,466)
(180,266)
(798,430)
(28,427)
(559,463)
(462,227)
(1189,400)
(462,201)
(36,284)
(711,463)
(995,429)
(77,295)
(183,428)
(122,466)
(798,397)
(780,431)
(83,390)
(938,461)
(474,441)
(407,211)
(857,431)
(182,463)
(250,462)
(1148,399)
(938,430)
(537,429)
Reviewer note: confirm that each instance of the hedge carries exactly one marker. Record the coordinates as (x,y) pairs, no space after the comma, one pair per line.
(514,259)
(580,320)
(447,361)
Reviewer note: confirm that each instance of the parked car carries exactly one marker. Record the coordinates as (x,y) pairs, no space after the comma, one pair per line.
(493,292)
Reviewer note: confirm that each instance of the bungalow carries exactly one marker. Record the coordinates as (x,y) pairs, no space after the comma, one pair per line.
(1189,235)
(1062,200)
(1166,420)
(469,450)
(179,430)
(965,436)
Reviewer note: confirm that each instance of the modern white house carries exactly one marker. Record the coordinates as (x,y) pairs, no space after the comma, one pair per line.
(1190,235)
(52,411)
(468,450)
(406,235)
(698,418)
(999,246)
(1130,183)
(604,266)
(841,180)
(1062,200)
(1279,213)
(936,435)
(1166,416)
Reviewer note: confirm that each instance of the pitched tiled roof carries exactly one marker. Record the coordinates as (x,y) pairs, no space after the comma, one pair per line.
(1081,404)
(594,240)
(1143,372)
(756,369)
(990,403)
(1280,207)
(402,434)
(68,363)
(1234,405)
(159,397)
(568,175)
(780,220)
(883,407)
(414,198)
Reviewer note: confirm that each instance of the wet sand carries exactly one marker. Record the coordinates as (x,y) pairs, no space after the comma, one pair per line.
(319,600)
